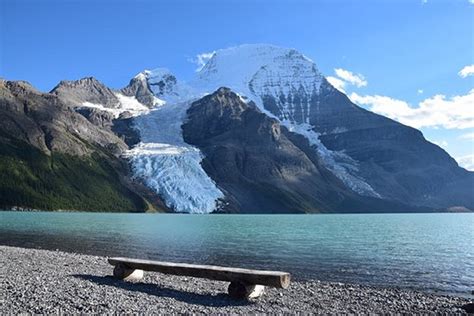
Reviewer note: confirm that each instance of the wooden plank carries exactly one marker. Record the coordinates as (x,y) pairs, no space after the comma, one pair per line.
(262,277)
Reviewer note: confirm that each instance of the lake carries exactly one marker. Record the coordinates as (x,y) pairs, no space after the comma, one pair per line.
(430,252)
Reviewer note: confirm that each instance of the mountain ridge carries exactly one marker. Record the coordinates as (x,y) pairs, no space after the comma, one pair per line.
(364,160)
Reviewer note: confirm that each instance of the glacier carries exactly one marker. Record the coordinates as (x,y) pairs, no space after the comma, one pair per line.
(164,161)
(173,168)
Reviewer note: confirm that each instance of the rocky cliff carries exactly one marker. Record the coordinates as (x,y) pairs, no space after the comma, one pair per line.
(51,157)
(261,166)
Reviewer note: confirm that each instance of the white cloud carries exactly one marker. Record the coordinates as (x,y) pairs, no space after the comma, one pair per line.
(471,1)
(420,91)
(351,78)
(337,83)
(467,71)
(468,136)
(438,111)
(201,59)
(466,162)
(426,1)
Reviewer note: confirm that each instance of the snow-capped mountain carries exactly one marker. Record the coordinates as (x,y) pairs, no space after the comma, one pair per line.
(90,94)
(278,138)
(287,86)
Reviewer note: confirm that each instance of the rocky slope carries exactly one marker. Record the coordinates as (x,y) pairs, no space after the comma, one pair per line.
(397,160)
(53,158)
(261,166)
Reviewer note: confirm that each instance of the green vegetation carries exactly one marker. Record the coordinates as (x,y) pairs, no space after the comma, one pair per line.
(31,179)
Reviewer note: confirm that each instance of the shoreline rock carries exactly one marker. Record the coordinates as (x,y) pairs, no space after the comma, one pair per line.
(43,281)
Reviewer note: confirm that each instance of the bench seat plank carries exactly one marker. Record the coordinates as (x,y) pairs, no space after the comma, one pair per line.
(262,277)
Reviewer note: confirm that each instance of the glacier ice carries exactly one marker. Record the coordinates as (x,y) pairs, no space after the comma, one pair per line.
(173,168)
(170,166)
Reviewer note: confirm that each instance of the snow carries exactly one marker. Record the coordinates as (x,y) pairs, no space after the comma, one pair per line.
(162,159)
(340,164)
(259,70)
(115,112)
(163,83)
(170,166)
(131,104)
(173,168)
(126,104)
(142,76)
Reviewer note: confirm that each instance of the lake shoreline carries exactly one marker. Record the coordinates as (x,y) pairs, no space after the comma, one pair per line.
(35,210)
(44,281)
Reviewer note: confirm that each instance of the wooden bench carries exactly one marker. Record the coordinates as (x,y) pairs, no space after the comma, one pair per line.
(244,283)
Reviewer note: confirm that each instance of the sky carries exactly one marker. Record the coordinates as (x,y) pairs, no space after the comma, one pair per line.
(411,60)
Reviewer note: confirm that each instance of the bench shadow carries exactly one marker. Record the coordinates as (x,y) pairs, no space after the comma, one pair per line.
(219,300)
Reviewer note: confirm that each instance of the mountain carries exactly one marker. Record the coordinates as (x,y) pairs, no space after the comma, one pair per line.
(263,167)
(379,157)
(257,130)
(51,157)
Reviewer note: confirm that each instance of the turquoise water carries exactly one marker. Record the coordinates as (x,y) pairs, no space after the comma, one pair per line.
(433,252)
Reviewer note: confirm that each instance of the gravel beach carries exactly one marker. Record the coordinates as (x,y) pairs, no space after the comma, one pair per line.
(41,281)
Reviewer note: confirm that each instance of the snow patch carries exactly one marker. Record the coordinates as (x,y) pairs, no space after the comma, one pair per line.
(126,104)
(115,112)
(131,104)
(340,164)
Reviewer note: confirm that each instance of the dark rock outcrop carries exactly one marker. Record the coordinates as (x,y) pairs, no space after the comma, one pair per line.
(260,165)
(139,88)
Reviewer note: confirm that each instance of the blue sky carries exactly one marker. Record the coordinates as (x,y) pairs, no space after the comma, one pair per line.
(394,57)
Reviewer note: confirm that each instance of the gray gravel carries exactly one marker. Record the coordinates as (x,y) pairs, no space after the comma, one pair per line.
(41,281)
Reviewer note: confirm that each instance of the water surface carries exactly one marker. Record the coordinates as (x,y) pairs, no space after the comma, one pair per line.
(432,252)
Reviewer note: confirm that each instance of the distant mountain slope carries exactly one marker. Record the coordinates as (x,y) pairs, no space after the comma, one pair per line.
(261,166)
(52,158)
(396,160)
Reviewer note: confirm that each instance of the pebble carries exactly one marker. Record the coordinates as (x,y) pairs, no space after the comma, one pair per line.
(34,281)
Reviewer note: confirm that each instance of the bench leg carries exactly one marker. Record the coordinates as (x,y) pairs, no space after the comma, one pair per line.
(245,291)
(122,272)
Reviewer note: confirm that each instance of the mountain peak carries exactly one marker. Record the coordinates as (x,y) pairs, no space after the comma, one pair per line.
(87,89)
(86,81)
(161,81)
(240,66)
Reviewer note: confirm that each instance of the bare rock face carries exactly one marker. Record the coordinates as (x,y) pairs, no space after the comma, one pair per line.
(101,106)
(97,117)
(396,160)
(46,122)
(87,89)
(259,164)
(140,89)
